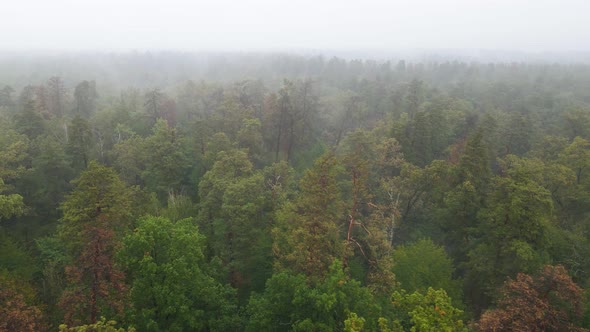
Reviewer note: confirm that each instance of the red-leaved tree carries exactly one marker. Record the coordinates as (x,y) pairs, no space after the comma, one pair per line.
(550,301)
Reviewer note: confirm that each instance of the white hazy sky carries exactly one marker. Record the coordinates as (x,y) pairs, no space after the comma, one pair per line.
(255,25)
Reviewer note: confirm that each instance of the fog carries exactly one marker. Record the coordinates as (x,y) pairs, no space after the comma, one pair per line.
(304,25)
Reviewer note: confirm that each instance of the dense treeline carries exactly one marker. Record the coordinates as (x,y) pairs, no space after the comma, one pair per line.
(323,195)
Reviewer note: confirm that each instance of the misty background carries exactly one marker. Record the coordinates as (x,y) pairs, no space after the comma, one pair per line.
(130,42)
(305,26)
(294,165)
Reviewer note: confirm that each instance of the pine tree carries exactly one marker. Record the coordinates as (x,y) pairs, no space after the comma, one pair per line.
(95,216)
(307,237)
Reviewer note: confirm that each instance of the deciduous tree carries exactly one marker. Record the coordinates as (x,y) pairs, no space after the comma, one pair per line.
(172,289)
(548,301)
(17,313)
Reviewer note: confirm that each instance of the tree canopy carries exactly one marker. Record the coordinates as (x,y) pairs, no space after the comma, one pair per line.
(169,192)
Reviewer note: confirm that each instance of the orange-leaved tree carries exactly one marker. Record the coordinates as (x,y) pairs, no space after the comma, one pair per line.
(549,301)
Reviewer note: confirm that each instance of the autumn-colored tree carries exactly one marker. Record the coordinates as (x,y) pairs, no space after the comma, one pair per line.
(549,301)
(17,313)
(95,215)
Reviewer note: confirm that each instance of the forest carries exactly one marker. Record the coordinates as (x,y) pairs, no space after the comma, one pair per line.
(181,192)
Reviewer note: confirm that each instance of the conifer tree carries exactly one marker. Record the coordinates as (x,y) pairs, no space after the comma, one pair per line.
(95,216)
(307,237)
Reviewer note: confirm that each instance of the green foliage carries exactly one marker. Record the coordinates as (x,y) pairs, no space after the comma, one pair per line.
(85,95)
(289,303)
(354,323)
(166,165)
(79,143)
(172,289)
(245,220)
(11,205)
(14,258)
(429,312)
(250,137)
(306,238)
(489,160)
(110,200)
(577,122)
(13,149)
(513,231)
(91,233)
(235,209)
(217,143)
(48,181)
(371,214)
(130,159)
(422,265)
(179,207)
(412,194)
(101,326)
(53,259)
(29,121)
(432,127)
(230,167)
(273,309)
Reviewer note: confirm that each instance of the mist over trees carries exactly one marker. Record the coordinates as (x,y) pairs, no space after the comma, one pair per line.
(240,192)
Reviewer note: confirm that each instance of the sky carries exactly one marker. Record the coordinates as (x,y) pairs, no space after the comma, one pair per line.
(271,25)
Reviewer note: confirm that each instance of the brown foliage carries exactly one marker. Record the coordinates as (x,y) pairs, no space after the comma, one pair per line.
(95,216)
(550,301)
(96,283)
(15,313)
